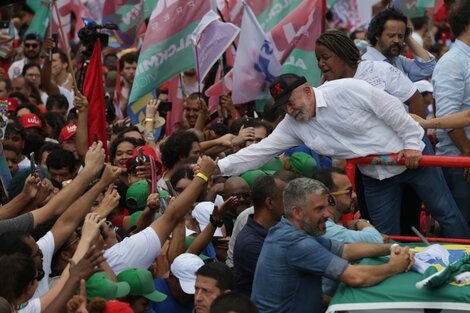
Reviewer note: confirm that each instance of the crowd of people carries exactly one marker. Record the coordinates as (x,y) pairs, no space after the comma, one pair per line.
(246,212)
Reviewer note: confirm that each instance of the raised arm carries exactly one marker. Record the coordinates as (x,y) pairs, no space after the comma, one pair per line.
(456,120)
(178,208)
(60,202)
(72,217)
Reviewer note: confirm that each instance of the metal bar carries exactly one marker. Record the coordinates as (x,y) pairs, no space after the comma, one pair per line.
(426,160)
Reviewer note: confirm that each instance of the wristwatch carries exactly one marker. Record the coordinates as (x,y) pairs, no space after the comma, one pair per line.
(214,222)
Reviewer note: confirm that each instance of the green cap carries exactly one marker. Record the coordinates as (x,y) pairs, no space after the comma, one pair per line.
(137,193)
(135,216)
(303,163)
(141,284)
(100,285)
(251,176)
(274,165)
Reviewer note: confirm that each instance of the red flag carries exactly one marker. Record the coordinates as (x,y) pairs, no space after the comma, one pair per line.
(93,90)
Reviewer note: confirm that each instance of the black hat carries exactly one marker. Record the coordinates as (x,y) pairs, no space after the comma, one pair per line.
(282,86)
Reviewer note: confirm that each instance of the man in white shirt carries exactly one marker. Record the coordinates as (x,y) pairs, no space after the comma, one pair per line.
(32,50)
(348,118)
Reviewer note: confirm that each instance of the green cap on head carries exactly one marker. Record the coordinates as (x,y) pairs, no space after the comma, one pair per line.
(273,165)
(141,284)
(100,285)
(137,193)
(303,164)
(251,176)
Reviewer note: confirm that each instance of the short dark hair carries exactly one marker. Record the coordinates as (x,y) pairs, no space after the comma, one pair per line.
(177,147)
(419,21)
(56,122)
(128,58)
(376,25)
(118,141)
(219,129)
(59,159)
(263,187)
(14,242)
(220,272)
(17,271)
(326,176)
(341,45)
(62,55)
(28,66)
(57,100)
(17,128)
(459,17)
(233,302)
(49,147)
(182,173)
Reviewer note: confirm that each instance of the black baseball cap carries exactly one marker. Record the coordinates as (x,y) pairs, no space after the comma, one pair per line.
(282,86)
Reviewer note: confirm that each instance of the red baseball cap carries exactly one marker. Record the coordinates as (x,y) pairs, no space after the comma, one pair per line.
(115,306)
(67,132)
(148,153)
(30,120)
(11,102)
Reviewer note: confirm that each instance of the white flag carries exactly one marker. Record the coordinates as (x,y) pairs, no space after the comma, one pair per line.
(255,63)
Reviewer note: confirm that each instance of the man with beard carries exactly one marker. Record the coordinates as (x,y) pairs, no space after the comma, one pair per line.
(387,34)
(128,66)
(344,201)
(294,256)
(32,51)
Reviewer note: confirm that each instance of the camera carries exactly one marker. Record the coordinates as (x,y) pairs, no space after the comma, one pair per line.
(165,106)
(90,33)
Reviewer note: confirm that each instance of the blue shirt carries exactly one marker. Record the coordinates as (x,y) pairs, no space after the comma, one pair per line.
(451,82)
(341,233)
(322,161)
(170,304)
(416,69)
(245,254)
(290,267)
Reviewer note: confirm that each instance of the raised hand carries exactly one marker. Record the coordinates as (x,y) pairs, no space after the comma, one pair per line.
(94,158)
(110,201)
(110,174)
(206,165)
(91,226)
(153,201)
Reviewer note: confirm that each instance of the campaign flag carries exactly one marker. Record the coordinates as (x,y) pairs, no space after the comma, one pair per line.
(426,3)
(294,39)
(175,116)
(65,9)
(255,65)
(222,86)
(166,50)
(128,15)
(149,5)
(346,15)
(211,38)
(93,90)
(409,8)
(40,22)
(293,27)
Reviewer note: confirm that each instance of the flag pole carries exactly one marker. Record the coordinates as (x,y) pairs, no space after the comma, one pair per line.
(51,12)
(67,52)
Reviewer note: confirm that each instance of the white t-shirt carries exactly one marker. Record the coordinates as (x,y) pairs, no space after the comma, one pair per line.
(33,306)
(16,68)
(47,246)
(386,77)
(139,250)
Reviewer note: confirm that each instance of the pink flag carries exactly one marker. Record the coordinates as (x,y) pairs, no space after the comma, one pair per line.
(211,38)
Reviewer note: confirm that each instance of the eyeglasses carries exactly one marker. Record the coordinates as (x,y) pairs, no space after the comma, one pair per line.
(342,192)
(331,200)
(31,45)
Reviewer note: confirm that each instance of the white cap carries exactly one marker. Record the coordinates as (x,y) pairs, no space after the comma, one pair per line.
(184,267)
(202,212)
(424,86)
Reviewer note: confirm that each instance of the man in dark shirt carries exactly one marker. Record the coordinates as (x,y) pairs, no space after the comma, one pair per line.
(267,203)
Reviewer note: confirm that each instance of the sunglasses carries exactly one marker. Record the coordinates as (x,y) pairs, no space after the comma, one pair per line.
(331,200)
(342,192)
(31,45)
